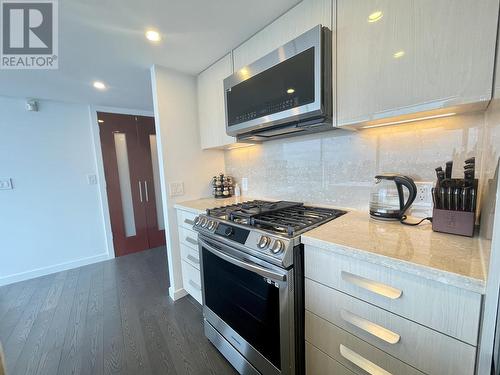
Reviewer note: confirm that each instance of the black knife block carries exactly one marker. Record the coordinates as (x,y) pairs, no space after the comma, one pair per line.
(458,222)
(454,222)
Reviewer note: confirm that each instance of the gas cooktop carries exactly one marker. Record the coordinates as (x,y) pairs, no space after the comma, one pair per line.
(267,230)
(282,217)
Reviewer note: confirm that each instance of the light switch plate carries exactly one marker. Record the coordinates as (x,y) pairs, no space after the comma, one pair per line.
(176,188)
(5,184)
(92,179)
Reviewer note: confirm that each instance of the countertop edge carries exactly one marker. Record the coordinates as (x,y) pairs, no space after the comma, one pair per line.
(434,274)
(180,206)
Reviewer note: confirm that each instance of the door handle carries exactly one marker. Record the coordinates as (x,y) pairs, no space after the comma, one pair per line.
(146,189)
(189,222)
(140,191)
(193,259)
(372,286)
(250,266)
(373,329)
(191,240)
(364,364)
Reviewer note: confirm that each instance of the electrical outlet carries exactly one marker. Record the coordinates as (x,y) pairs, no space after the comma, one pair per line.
(176,188)
(422,206)
(244,184)
(5,184)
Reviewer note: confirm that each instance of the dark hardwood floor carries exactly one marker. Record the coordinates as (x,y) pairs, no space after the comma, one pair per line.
(113,317)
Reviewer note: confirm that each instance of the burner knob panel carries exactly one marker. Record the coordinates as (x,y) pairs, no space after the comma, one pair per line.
(277,247)
(263,242)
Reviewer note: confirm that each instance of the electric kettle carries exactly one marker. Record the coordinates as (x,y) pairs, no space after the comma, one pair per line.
(391,196)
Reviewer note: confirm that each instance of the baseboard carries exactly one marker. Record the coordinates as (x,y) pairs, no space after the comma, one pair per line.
(177,294)
(52,269)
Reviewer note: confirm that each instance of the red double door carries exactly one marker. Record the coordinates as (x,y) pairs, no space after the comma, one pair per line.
(132,175)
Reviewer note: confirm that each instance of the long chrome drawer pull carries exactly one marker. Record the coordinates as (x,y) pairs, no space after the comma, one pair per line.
(362,362)
(193,259)
(374,329)
(189,222)
(372,286)
(191,240)
(194,285)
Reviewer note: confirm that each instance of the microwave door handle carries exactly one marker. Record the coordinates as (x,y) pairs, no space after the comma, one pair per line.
(243,264)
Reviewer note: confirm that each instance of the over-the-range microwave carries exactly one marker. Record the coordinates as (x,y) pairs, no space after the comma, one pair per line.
(287,92)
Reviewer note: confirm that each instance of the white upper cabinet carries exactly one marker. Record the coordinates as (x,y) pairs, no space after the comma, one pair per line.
(496,89)
(400,57)
(296,21)
(211,114)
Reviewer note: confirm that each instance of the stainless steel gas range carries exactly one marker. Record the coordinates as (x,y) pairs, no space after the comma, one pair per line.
(253,282)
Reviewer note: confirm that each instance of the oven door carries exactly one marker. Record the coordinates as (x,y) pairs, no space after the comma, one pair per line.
(250,303)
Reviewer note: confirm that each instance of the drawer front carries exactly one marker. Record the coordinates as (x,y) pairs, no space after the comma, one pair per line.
(421,347)
(191,256)
(350,351)
(192,280)
(447,309)
(185,219)
(188,237)
(318,363)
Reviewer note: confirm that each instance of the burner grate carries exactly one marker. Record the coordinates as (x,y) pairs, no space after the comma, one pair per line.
(285,218)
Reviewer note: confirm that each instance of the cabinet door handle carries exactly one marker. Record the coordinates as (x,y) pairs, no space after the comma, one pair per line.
(193,259)
(373,286)
(194,285)
(140,191)
(191,240)
(146,190)
(190,222)
(380,332)
(362,362)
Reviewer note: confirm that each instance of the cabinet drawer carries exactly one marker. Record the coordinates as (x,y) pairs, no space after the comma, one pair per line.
(421,347)
(185,219)
(447,309)
(350,351)
(188,237)
(191,256)
(318,363)
(192,280)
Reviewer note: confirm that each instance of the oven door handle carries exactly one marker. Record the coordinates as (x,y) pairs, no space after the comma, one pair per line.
(265,272)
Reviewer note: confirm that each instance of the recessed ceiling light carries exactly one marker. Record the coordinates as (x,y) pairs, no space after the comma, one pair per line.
(375,16)
(99,85)
(290,91)
(153,35)
(398,54)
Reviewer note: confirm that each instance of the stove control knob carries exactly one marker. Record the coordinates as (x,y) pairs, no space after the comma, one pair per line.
(263,242)
(277,247)
(196,220)
(228,231)
(211,225)
(204,222)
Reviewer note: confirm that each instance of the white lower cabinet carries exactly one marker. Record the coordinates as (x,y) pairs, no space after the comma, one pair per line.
(318,363)
(190,257)
(348,322)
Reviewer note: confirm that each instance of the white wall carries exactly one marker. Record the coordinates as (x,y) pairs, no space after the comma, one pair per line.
(175,104)
(52,219)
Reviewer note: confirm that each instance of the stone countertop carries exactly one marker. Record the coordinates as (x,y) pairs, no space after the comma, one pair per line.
(454,260)
(199,206)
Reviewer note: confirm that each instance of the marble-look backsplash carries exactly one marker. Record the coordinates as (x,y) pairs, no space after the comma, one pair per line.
(338,167)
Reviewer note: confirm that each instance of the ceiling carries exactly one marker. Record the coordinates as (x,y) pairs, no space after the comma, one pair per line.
(104,40)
